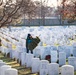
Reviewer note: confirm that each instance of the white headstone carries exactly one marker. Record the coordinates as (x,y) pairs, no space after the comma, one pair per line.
(53,48)
(23,58)
(67,51)
(1,60)
(74,51)
(11,71)
(35,65)
(53,69)
(13,54)
(42,53)
(2,63)
(67,70)
(53,56)
(16,55)
(7,50)
(71,49)
(3,69)
(62,58)
(46,52)
(61,48)
(29,59)
(72,61)
(44,67)
(9,45)
(3,50)
(36,52)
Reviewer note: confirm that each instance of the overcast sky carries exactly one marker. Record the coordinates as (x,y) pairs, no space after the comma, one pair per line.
(51,2)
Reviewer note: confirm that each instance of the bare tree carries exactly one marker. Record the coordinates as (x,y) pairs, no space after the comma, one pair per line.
(68,10)
(71,11)
(60,10)
(43,10)
(10,11)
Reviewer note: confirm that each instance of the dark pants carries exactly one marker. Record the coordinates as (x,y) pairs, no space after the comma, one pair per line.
(30,50)
(27,50)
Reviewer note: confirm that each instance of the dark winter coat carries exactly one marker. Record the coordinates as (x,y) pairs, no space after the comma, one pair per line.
(28,41)
(34,43)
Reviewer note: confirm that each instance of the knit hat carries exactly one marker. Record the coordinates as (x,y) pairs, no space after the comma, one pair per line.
(29,35)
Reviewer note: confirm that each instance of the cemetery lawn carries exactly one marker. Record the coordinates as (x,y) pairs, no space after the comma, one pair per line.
(22,70)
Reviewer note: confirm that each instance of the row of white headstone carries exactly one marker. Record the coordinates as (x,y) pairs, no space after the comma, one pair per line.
(6,69)
(37,65)
(12,40)
(43,70)
(67,49)
(44,67)
(21,55)
(62,34)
